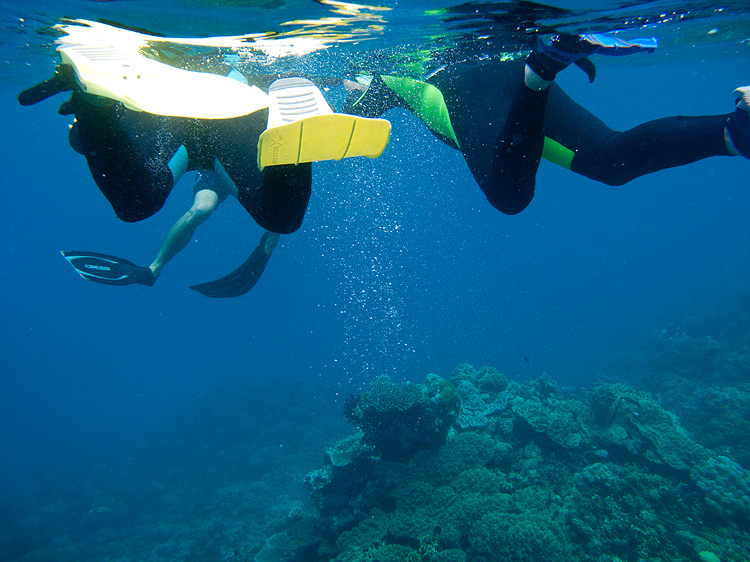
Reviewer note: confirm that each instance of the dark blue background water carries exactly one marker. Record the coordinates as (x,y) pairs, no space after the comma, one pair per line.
(401,267)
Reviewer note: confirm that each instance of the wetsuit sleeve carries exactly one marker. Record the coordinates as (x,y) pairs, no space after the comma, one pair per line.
(277,197)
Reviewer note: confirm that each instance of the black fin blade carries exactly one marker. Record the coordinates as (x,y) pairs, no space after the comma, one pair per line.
(241,280)
(108,270)
(588,67)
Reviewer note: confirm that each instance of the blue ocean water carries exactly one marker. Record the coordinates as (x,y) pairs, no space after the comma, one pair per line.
(401,266)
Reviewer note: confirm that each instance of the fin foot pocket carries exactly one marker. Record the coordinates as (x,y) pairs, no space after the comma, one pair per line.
(738,124)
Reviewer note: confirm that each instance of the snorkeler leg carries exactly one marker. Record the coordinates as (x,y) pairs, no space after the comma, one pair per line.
(370,96)
(517,153)
(737,130)
(205,201)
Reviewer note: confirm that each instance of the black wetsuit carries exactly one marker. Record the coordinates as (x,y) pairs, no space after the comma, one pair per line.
(500,126)
(128,154)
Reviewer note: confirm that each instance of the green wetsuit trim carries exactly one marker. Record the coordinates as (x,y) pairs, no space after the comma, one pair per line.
(557,153)
(426,101)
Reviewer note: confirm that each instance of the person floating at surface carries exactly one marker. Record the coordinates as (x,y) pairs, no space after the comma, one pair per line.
(142,124)
(503,137)
(137,157)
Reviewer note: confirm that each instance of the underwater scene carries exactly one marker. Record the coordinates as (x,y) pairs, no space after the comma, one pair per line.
(422,281)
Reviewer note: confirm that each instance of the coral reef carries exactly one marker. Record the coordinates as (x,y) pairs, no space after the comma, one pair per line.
(477,469)
(466,468)
(727,486)
(700,372)
(399,420)
(635,421)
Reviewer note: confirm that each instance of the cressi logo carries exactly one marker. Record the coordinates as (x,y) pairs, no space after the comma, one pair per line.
(99,267)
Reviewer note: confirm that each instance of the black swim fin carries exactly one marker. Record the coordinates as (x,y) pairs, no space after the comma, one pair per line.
(244,278)
(110,270)
(64,80)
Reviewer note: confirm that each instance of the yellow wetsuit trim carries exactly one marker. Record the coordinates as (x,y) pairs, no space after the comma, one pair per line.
(557,153)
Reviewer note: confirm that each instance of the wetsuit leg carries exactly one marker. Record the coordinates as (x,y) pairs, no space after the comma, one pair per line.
(499,123)
(517,153)
(276,198)
(375,101)
(127,153)
(615,157)
(422,99)
(281,201)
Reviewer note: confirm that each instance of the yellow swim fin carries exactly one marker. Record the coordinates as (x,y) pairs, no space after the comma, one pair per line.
(303,128)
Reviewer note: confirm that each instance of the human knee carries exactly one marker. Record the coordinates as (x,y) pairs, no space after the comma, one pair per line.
(509,201)
(283,199)
(279,224)
(614,179)
(510,207)
(204,204)
(132,203)
(199,214)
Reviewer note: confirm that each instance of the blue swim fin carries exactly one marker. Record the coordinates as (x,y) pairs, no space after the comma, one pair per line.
(109,270)
(559,52)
